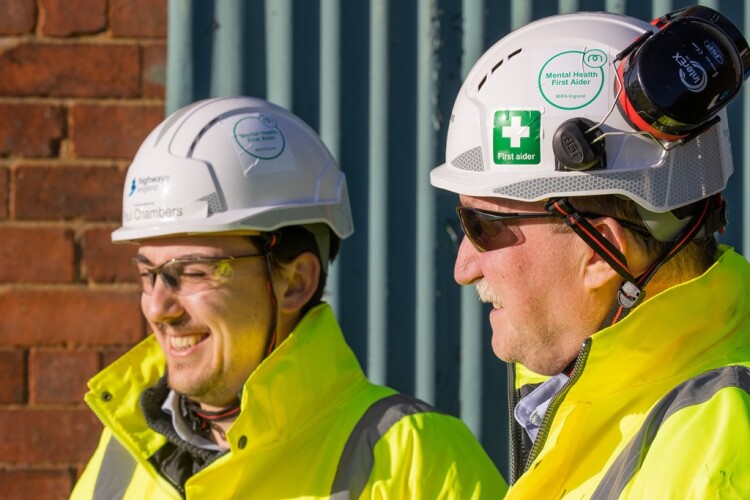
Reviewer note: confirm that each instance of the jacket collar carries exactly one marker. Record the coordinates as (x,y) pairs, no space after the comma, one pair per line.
(310,368)
(679,333)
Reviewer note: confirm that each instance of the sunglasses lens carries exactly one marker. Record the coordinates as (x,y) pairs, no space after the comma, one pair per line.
(484,231)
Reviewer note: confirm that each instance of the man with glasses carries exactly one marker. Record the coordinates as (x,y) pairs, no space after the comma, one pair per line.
(247,389)
(589,152)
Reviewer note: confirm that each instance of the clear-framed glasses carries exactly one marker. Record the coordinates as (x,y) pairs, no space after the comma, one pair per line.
(188,275)
(489,231)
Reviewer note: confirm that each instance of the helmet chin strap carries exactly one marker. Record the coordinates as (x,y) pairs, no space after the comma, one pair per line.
(269,242)
(632,292)
(204,421)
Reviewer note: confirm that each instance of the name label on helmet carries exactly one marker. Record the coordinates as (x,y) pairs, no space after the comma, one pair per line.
(517,137)
(150,213)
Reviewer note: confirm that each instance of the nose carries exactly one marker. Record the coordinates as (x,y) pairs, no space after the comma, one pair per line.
(162,305)
(467,269)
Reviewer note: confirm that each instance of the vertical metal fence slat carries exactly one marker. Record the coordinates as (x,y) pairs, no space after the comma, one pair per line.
(660,7)
(377,244)
(713,4)
(567,6)
(425,203)
(179,90)
(615,6)
(279,52)
(470,384)
(520,13)
(330,90)
(227,61)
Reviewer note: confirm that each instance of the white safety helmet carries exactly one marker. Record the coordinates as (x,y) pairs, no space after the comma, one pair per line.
(508,120)
(232,165)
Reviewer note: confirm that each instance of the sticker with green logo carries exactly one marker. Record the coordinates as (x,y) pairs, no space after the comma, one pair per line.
(259,136)
(573,79)
(516,137)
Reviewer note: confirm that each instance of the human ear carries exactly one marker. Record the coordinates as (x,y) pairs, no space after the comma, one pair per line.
(299,283)
(597,271)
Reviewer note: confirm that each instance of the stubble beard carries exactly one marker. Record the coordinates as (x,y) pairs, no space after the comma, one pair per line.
(207,390)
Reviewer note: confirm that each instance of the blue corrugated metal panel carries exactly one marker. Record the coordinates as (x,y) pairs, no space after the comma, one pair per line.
(428,33)
(330,106)
(377,213)
(377,79)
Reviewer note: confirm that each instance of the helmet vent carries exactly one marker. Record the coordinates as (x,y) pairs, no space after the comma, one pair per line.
(214,203)
(201,133)
(479,87)
(172,120)
(633,182)
(497,65)
(470,160)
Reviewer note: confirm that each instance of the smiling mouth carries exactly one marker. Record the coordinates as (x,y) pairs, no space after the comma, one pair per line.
(186,341)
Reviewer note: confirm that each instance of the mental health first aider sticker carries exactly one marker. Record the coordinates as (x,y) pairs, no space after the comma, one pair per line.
(516,137)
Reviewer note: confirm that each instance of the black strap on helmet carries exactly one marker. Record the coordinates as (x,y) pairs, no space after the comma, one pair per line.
(202,421)
(267,242)
(711,217)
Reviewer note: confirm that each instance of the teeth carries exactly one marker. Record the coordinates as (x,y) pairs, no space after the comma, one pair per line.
(184,342)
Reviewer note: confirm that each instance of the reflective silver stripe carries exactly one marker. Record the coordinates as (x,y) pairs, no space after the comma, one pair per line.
(115,472)
(694,391)
(356,462)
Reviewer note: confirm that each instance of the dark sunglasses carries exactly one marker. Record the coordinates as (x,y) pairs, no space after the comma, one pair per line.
(489,231)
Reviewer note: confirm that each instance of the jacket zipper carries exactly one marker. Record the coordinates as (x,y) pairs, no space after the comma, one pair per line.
(556,402)
(176,486)
(514,429)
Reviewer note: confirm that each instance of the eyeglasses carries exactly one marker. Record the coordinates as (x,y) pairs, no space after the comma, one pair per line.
(489,231)
(189,275)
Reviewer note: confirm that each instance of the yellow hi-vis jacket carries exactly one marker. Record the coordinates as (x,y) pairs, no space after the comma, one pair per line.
(311,426)
(658,405)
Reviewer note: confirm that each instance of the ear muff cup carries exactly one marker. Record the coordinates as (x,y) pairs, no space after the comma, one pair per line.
(682,75)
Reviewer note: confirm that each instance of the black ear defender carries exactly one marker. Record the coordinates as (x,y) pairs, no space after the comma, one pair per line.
(575,146)
(674,82)
(677,79)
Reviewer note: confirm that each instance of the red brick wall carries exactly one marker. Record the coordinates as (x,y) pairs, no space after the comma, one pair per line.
(81,84)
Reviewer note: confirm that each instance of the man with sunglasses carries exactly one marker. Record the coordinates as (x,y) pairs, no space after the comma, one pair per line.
(247,389)
(589,152)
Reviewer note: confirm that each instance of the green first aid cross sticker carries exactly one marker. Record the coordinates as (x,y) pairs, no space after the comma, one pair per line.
(516,137)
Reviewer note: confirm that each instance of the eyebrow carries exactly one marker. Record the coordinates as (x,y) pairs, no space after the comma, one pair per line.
(141,258)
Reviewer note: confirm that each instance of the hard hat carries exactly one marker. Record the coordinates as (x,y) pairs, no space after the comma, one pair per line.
(560,107)
(232,165)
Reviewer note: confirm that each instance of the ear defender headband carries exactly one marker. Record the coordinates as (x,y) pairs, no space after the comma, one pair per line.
(674,82)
